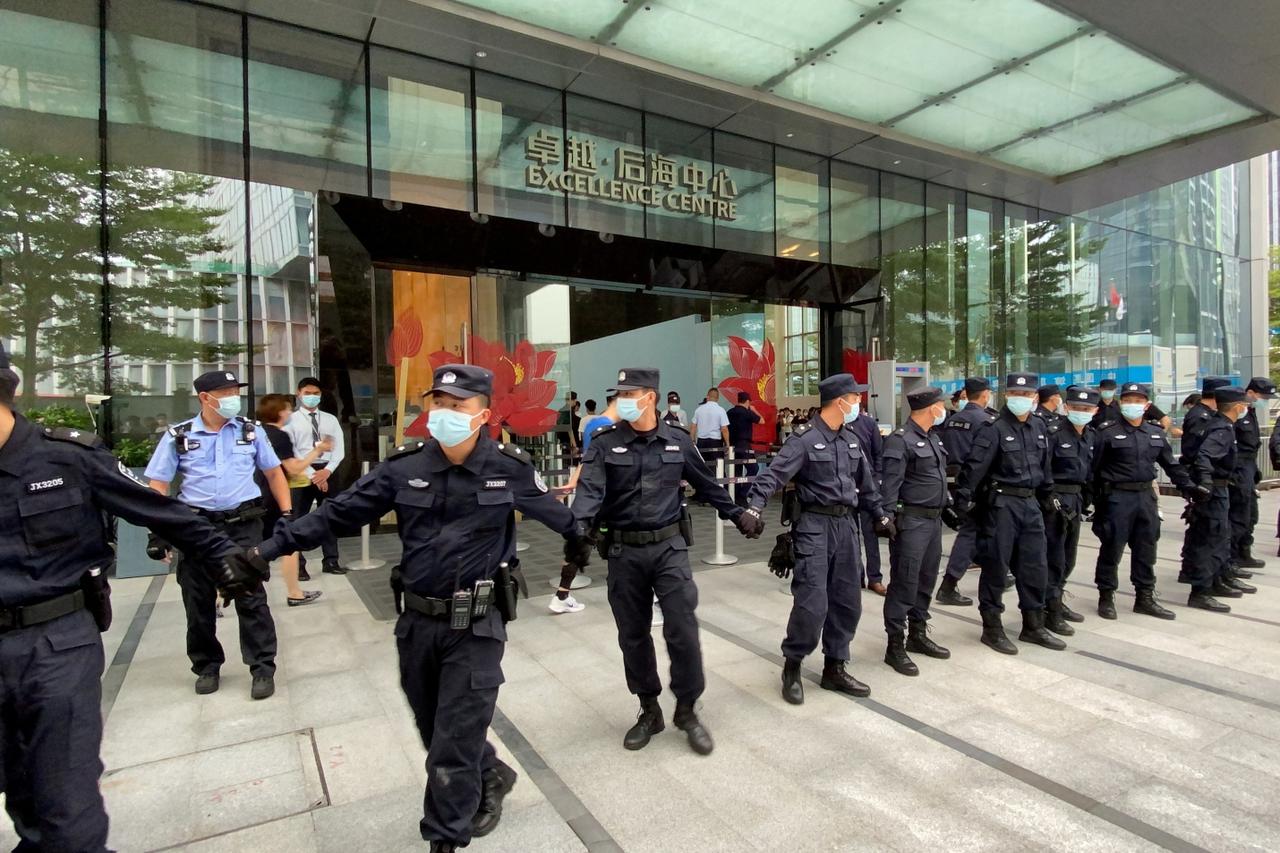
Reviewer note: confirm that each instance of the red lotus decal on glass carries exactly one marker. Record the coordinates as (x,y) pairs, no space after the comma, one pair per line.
(756,377)
(405,339)
(856,362)
(522,394)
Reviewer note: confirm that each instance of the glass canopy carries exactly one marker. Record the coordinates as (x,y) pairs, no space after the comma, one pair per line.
(1014,80)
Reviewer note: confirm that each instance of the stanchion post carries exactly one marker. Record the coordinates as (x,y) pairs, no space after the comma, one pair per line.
(365,562)
(720,558)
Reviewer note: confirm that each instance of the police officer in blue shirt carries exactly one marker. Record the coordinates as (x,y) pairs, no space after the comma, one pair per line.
(834,480)
(217,452)
(630,490)
(1071,443)
(957,437)
(914,491)
(454,497)
(1004,483)
(56,485)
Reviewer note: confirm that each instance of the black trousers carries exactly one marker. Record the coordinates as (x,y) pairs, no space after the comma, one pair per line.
(826,588)
(741,491)
(871,546)
(1243,513)
(304,498)
(636,574)
(963,549)
(450,679)
(1206,549)
(914,558)
(1127,519)
(711,450)
(1062,538)
(1011,539)
(199,599)
(51,733)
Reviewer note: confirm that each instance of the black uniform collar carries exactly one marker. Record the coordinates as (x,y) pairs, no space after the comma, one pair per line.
(912,425)
(827,432)
(13,455)
(475,462)
(629,434)
(1013,419)
(968,406)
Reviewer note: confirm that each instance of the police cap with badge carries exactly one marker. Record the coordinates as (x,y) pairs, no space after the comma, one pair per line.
(1228,394)
(1135,389)
(1262,386)
(838,385)
(1078,395)
(924,398)
(637,379)
(1210,385)
(216,380)
(1021,382)
(462,381)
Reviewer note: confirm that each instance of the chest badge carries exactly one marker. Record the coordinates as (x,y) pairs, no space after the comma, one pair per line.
(672,447)
(495,484)
(853,444)
(919,444)
(819,447)
(1008,438)
(1064,444)
(619,450)
(1121,437)
(45,485)
(418,484)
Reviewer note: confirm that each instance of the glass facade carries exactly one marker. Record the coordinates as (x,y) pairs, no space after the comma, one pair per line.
(171,201)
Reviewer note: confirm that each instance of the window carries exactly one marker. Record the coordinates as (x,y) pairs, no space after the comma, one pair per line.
(800,345)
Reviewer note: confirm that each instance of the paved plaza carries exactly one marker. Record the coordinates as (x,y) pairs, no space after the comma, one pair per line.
(1142,735)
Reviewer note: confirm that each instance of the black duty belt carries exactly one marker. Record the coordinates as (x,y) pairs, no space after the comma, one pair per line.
(1013,491)
(646,537)
(837,510)
(1067,488)
(244,512)
(1144,486)
(1219,484)
(922,511)
(12,618)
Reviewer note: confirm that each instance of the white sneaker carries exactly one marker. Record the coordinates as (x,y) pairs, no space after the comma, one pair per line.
(568,605)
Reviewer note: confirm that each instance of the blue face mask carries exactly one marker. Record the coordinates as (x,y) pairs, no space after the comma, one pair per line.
(229,407)
(1079,418)
(1132,411)
(629,409)
(851,415)
(311,401)
(1107,395)
(450,428)
(937,421)
(1020,406)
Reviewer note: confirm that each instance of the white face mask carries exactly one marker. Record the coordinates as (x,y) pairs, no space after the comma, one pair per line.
(674,407)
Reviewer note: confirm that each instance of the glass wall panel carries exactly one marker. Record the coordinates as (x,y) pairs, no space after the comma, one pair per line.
(519,143)
(50,215)
(744,177)
(678,152)
(307,109)
(981,290)
(802,205)
(420,130)
(1015,324)
(902,209)
(855,215)
(606,164)
(944,283)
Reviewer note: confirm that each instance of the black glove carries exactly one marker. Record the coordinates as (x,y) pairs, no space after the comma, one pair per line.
(1086,511)
(157,548)
(950,517)
(782,559)
(1049,503)
(241,573)
(885,528)
(577,551)
(1188,511)
(1199,493)
(749,523)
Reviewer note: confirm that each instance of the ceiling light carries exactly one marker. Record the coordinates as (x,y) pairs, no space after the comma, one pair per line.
(791,248)
(814,254)
(896,162)
(480,54)
(789,135)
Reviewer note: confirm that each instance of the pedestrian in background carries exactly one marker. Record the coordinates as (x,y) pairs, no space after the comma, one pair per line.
(711,427)
(307,427)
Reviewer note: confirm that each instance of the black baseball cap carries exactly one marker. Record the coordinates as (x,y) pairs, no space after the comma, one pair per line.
(1210,385)
(637,378)
(1262,386)
(1228,394)
(1107,385)
(975,385)
(462,381)
(216,380)
(1047,391)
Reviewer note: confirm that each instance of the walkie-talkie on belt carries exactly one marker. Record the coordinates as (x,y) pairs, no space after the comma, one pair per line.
(460,611)
(483,598)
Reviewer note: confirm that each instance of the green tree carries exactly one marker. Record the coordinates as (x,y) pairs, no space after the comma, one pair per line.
(51,265)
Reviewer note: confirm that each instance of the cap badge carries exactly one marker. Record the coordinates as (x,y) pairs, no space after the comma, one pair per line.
(1020,381)
(622,376)
(231,377)
(449,378)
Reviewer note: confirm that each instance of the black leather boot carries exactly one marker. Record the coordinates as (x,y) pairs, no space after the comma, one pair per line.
(896,655)
(1069,614)
(918,641)
(686,720)
(1146,603)
(497,783)
(993,634)
(834,677)
(1053,619)
(443,847)
(1222,589)
(1248,561)
(648,723)
(1033,631)
(792,682)
(1204,601)
(948,594)
(1236,583)
(1107,603)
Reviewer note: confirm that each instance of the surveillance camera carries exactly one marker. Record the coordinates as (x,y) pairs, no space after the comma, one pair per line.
(96,399)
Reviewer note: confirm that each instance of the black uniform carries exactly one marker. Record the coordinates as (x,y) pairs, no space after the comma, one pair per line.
(1005,473)
(1243,512)
(1072,460)
(456,526)
(1206,549)
(55,486)
(914,492)
(1051,418)
(1109,413)
(1127,511)
(957,437)
(834,480)
(868,433)
(630,486)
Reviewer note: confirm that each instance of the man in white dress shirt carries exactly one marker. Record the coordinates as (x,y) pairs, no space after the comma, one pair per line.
(306,427)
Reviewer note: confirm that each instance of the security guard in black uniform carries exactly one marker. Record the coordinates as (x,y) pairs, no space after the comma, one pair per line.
(914,492)
(1206,549)
(56,484)
(454,497)
(1244,482)
(1050,404)
(1108,406)
(630,490)
(957,438)
(1006,473)
(1071,443)
(834,479)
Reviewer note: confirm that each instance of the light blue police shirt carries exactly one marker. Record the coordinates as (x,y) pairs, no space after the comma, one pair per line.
(217,471)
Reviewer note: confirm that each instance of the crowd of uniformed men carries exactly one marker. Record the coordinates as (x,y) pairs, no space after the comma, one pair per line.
(1016,483)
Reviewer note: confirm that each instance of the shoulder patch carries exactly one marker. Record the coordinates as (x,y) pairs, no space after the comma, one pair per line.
(406,449)
(515,453)
(956,423)
(75,436)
